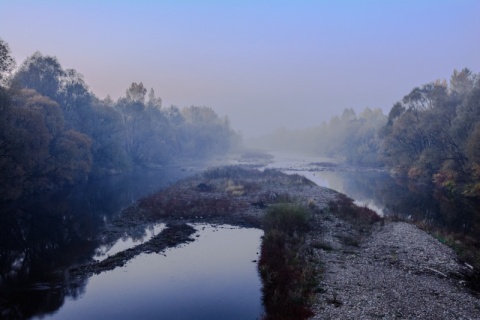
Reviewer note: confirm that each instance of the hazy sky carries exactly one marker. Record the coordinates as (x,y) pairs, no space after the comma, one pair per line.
(265,64)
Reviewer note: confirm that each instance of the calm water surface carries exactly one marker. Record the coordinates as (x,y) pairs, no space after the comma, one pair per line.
(386,195)
(126,242)
(338,180)
(213,277)
(46,235)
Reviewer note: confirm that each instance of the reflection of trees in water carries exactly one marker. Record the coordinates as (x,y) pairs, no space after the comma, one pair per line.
(24,303)
(405,199)
(423,203)
(42,238)
(368,187)
(38,245)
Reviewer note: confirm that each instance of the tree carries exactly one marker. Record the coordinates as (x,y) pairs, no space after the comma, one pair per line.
(36,151)
(73,92)
(136,93)
(43,74)
(72,158)
(10,147)
(432,135)
(461,82)
(106,131)
(7,63)
(473,154)
(47,108)
(203,132)
(132,109)
(27,158)
(153,102)
(54,132)
(468,114)
(473,145)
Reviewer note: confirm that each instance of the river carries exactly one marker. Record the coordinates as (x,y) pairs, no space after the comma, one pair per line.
(388,196)
(213,277)
(202,280)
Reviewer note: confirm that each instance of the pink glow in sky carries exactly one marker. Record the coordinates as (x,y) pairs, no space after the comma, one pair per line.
(265,64)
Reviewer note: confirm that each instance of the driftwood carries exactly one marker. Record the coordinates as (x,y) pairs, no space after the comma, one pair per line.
(436,271)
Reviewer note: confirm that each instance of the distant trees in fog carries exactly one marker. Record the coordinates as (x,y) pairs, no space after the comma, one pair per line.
(55,132)
(351,137)
(431,136)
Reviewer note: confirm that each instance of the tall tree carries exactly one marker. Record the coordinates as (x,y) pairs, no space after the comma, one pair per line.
(41,73)
(153,101)
(461,82)
(67,87)
(7,63)
(136,93)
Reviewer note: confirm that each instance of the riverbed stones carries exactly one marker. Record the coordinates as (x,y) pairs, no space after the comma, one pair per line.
(396,272)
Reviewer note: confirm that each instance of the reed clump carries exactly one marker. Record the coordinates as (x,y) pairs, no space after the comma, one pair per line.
(361,217)
(285,266)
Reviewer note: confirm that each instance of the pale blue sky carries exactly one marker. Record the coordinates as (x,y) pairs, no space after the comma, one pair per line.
(265,64)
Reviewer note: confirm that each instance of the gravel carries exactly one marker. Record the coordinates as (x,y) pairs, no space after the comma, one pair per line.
(394,271)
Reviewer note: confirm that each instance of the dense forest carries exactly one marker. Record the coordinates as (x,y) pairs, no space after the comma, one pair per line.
(54,132)
(432,136)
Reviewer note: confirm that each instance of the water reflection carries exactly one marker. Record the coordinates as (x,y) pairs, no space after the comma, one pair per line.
(127,241)
(391,196)
(34,244)
(212,278)
(44,236)
(387,196)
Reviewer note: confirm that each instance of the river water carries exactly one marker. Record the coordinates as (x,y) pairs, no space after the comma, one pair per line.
(212,278)
(386,195)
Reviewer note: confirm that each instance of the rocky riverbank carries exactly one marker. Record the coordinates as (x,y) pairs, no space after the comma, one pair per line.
(396,272)
(368,268)
(385,269)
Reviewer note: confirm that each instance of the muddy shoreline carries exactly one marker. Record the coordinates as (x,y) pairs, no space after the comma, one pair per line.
(355,258)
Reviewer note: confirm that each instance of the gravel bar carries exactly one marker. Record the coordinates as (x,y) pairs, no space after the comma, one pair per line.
(396,271)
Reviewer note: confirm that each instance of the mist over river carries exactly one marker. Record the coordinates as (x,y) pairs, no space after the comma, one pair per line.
(377,189)
(213,277)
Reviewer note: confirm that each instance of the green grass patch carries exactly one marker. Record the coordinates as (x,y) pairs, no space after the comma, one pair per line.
(288,218)
(289,276)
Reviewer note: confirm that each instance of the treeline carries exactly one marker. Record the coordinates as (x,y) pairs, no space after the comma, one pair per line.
(55,132)
(350,137)
(431,136)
